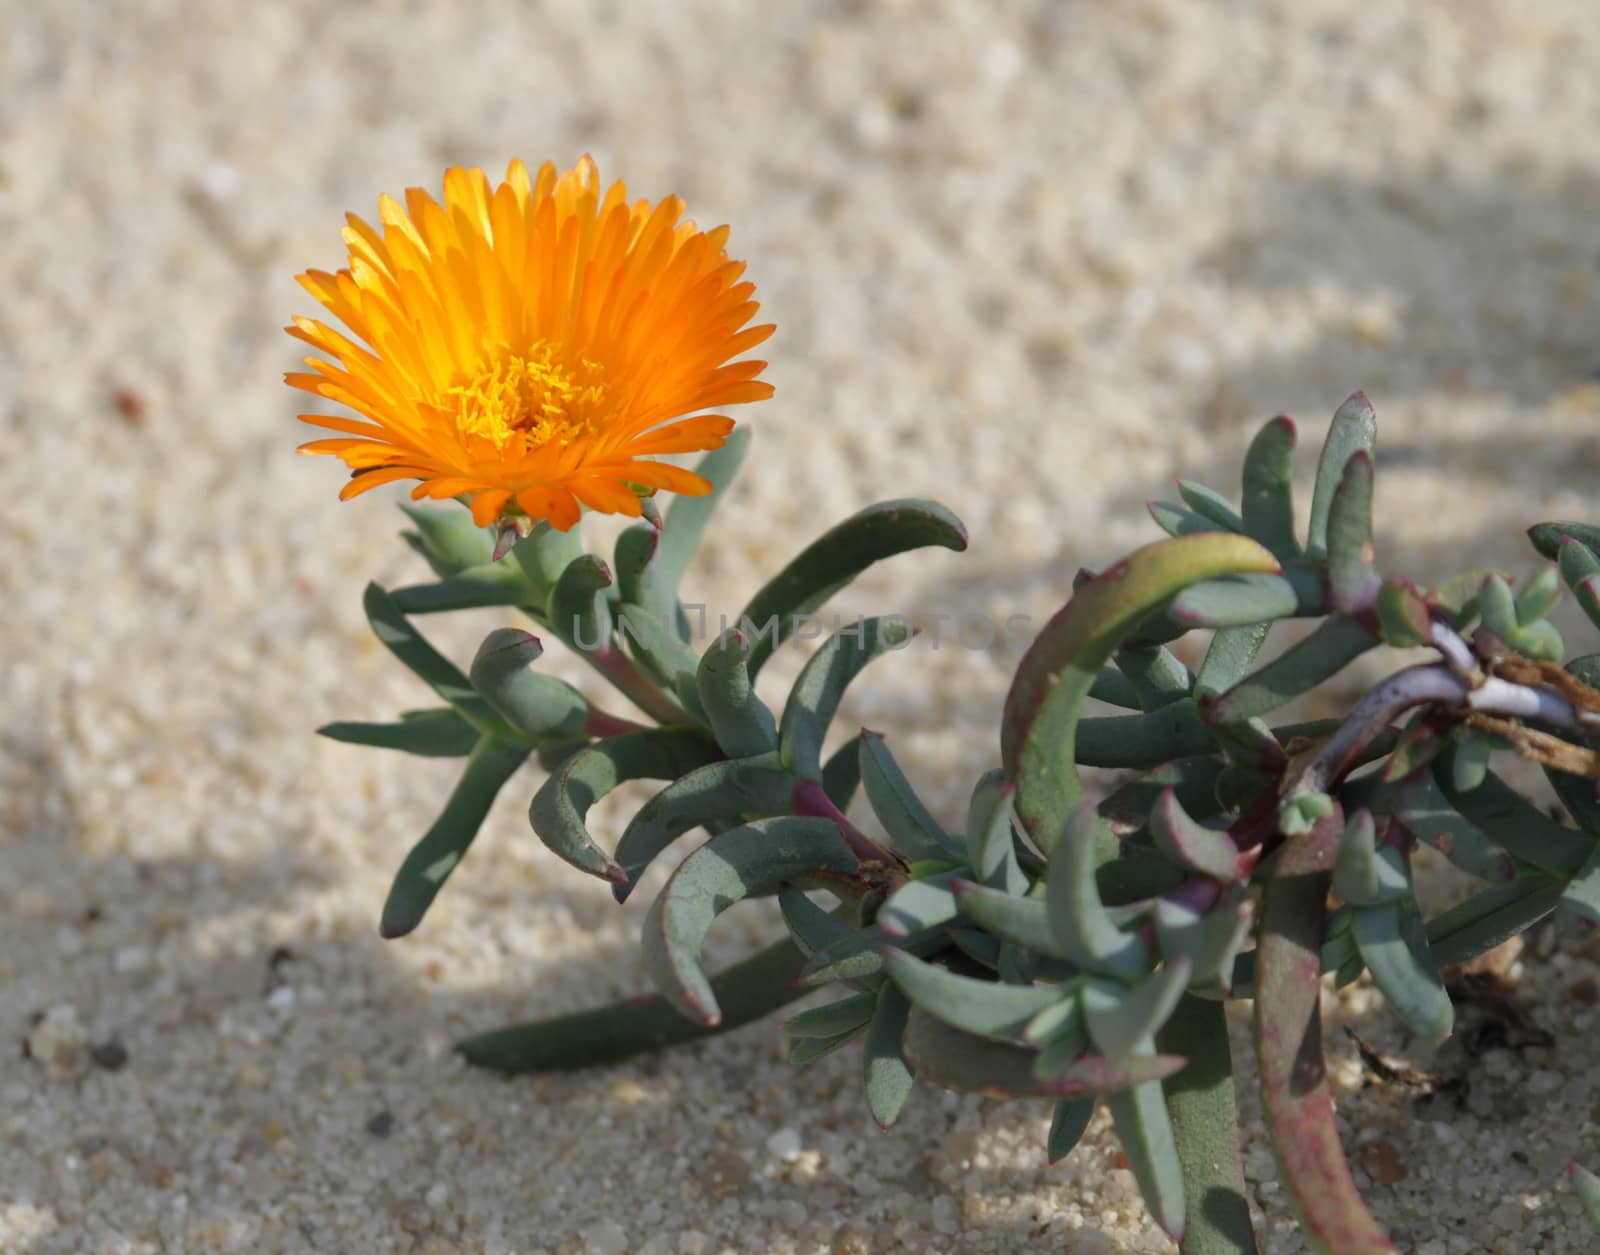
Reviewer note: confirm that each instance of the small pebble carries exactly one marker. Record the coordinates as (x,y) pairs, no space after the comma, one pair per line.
(110,1054)
(60,1044)
(382,1124)
(605,1238)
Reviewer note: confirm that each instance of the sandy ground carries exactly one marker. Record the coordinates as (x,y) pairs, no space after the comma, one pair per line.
(1030,258)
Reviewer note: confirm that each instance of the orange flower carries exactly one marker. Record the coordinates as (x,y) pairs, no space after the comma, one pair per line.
(530,345)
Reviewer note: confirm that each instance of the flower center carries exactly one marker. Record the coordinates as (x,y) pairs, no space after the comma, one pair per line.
(524,401)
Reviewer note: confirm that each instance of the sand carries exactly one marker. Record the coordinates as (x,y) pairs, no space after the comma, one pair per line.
(1033,259)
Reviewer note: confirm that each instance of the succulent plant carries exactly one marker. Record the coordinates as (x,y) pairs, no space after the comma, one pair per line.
(1077,938)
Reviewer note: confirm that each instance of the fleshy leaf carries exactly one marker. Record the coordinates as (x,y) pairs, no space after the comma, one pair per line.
(1068,1124)
(1177,730)
(1144,1128)
(1228,658)
(1083,928)
(918,905)
(742,862)
(1022,921)
(437,733)
(978,1006)
(1120,1021)
(1422,808)
(449,539)
(491,584)
(1512,822)
(898,808)
(845,1016)
(747,991)
(1235,601)
(886,1076)
(1352,576)
(991,843)
(740,789)
(1366,874)
(578,611)
(559,808)
(1484,920)
(1268,497)
(1354,429)
(538,706)
(834,559)
(1210,940)
(966,1062)
(445,844)
(740,720)
(1338,642)
(1393,947)
(686,517)
(1209,851)
(1212,504)
(1039,730)
(816,694)
(433,668)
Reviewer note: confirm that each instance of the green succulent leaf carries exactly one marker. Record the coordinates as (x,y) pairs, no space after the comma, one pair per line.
(1540,596)
(1068,1123)
(1395,949)
(1512,822)
(1269,488)
(1423,809)
(1337,643)
(1177,730)
(663,654)
(912,829)
(841,775)
(747,991)
(1354,429)
(978,1006)
(1365,873)
(859,957)
(1353,577)
(1156,673)
(803,1050)
(578,610)
(1579,912)
(1023,922)
(1084,930)
(1061,1022)
(991,840)
(543,555)
(1208,851)
(1235,601)
(746,861)
(1229,657)
(1209,940)
(1547,537)
(845,1016)
(1123,1022)
(561,806)
(540,707)
(1212,504)
(1174,520)
(1144,1127)
(430,666)
(812,928)
(887,1078)
(1115,689)
(1039,730)
(834,559)
(740,720)
(436,733)
(816,694)
(1587,1187)
(448,539)
(490,584)
(446,842)
(969,1063)
(1484,920)
(1403,619)
(919,905)
(686,517)
(723,790)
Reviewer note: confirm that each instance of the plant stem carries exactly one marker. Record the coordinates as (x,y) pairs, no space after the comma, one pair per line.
(637,687)
(1205,1121)
(1288,1028)
(746,992)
